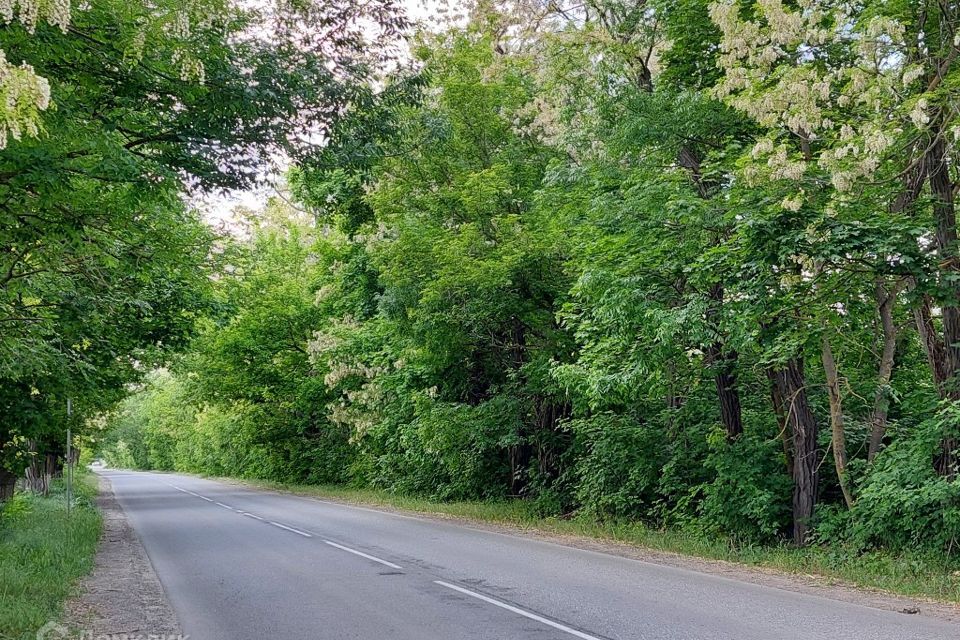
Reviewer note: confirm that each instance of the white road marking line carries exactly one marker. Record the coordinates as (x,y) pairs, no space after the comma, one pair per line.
(283,526)
(362,554)
(251,515)
(179,489)
(205,498)
(225,506)
(518,611)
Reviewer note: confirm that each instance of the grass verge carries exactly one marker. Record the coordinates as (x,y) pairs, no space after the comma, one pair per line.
(42,553)
(929,576)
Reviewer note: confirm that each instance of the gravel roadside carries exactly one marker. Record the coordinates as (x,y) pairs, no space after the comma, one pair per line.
(122,596)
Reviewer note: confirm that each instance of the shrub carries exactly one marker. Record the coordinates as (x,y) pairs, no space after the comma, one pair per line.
(903,504)
(619,469)
(749,496)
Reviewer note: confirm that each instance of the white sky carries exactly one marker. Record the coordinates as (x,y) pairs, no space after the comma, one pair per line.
(217,209)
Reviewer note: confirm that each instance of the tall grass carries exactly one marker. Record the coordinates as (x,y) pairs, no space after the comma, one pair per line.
(42,553)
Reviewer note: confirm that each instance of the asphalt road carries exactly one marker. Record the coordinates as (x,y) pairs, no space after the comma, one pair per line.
(241,564)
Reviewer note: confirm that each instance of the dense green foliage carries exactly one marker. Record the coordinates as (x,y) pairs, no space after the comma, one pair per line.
(575,260)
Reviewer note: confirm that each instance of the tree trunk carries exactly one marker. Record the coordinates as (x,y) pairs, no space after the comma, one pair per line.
(8,482)
(37,480)
(803,427)
(718,356)
(672,399)
(727,393)
(724,364)
(934,347)
(881,401)
(726,380)
(938,360)
(54,465)
(941,187)
(56,458)
(780,412)
(39,471)
(838,438)
(932,344)
(519,454)
(549,441)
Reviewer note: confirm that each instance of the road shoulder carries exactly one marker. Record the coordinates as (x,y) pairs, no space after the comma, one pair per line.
(122,596)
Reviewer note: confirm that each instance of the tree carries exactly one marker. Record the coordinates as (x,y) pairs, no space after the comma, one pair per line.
(853,94)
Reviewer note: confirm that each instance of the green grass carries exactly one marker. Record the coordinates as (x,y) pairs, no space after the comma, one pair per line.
(935,577)
(42,553)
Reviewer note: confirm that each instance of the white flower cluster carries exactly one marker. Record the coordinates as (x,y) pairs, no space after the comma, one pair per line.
(912,73)
(322,343)
(190,67)
(794,202)
(776,162)
(783,166)
(23,95)
(180,25)
(540,118)
(359,410)
(324,293)
(340,371)
(846,114)
(919,113)
(30,12)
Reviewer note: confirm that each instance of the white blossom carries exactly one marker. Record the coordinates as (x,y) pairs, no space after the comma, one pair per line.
(30,12)
(23,95)
(911,73)
(919,114)
(794,202)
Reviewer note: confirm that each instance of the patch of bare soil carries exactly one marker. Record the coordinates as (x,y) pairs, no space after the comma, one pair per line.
(122,596)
